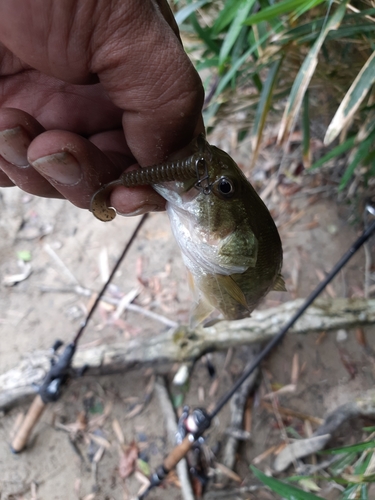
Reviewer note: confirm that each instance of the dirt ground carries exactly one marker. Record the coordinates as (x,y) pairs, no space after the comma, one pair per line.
(67,247)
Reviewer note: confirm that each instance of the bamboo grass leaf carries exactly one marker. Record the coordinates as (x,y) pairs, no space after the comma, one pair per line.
(337,151)
(305,74)
(234,30)
(204,34)
(238,63)
(186,11)
(285,490)
(279,8)
(357,156)
(358,447)
(352,100)
(226,16)
(263,108)
(308,5)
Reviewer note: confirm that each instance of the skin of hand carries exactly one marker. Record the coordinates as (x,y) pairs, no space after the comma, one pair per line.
(89,88)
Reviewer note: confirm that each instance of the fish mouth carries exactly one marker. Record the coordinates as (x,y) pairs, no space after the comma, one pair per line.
(178,193)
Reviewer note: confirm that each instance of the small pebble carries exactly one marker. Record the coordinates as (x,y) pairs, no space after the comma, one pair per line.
(341,336)
(181,376)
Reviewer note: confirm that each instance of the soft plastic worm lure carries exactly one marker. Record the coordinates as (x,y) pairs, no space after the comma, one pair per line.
(179,170)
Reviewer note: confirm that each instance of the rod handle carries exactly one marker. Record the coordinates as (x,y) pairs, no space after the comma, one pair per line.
(31,419)
(178,453)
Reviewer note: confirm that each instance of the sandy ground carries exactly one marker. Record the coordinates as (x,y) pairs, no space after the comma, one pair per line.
(67,247)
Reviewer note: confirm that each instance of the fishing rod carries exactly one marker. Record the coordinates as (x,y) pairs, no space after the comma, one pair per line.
(60,371)
(200,420)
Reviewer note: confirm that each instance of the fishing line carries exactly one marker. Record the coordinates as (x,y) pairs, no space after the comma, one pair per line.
(110,278)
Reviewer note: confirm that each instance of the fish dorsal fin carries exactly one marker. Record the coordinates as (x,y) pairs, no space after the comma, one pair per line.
(231,287)
(279,284)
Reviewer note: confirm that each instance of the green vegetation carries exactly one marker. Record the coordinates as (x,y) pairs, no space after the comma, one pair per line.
(308,56)
(353,469)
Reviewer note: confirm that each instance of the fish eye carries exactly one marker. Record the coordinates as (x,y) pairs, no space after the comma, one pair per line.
(225,187)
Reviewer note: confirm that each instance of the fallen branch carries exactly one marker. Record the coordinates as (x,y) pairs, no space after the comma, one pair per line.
(181,344)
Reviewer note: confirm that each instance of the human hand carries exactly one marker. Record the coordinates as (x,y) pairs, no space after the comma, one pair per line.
(88,88)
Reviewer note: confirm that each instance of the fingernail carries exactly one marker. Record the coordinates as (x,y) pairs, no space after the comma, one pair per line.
(142,210)
(59,167)
(13,146)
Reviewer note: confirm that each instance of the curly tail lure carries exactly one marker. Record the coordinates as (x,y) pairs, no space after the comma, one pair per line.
(179,170)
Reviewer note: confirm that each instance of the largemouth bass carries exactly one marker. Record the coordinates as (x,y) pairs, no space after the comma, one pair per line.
(228,239)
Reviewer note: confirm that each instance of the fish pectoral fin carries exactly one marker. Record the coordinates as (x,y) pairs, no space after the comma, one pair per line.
(191,283)
(231,287)
(200,312)
(279,284)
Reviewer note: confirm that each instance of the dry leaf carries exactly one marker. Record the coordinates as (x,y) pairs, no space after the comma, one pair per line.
(322,336)
(292,413)
(286,389)
(264,455)
(360,336)
(118,431)
(128,460)
(295,370)
(348,363)
(329,288)
(228,472)
(100,441)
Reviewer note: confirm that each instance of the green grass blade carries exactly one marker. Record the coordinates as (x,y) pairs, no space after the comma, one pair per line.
(359,155)
(263,108)
(238,63)
(285,490)
(207,63)
(306,6)
(186,11)
(226,16)
(349,449)
(363,463)
(234,30)
(354,491)
(204,34)
(277,9)
(352,100)
(305,74)
(337,151)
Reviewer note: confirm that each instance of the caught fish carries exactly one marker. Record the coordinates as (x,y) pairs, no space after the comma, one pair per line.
(228,239)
